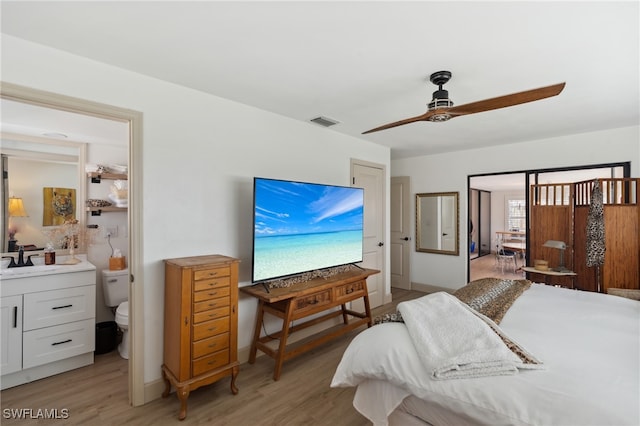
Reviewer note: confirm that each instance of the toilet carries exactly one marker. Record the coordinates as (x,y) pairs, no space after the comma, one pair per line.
(115,285)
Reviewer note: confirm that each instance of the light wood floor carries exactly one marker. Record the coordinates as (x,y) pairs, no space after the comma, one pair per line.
(97,394)
(485,267)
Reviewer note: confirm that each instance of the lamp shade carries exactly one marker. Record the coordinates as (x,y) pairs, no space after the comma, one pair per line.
(555,244)
(16,207)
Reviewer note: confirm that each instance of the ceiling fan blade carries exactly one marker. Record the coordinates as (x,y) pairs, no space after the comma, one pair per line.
(423,117)
(507,100)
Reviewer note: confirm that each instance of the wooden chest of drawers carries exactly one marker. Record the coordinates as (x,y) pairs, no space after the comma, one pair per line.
(200,324)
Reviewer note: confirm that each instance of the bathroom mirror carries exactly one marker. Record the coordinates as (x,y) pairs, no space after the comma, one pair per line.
(31,164)
(437,223)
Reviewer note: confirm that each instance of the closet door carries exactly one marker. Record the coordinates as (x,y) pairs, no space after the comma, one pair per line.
(485,223)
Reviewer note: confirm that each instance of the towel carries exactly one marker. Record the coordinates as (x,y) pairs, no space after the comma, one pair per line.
(454,341)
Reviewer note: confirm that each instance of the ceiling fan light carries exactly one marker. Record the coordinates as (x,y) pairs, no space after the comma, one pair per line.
(439,117)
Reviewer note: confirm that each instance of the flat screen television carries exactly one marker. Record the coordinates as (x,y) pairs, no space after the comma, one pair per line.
(300,227)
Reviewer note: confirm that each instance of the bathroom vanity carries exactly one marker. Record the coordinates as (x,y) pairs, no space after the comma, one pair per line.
(47,320)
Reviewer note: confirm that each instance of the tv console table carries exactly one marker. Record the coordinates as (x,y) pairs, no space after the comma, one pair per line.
(305,299)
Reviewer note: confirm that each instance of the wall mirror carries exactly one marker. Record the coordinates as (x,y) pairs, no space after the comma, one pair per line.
(30,165)
(437,223)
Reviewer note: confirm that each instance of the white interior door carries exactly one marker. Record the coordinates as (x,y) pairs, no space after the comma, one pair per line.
(400,245)
(371,178)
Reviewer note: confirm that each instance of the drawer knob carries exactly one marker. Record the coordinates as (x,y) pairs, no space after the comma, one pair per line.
(212,345)
(213,328)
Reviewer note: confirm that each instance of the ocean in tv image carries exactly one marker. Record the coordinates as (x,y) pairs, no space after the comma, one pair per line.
(300,227)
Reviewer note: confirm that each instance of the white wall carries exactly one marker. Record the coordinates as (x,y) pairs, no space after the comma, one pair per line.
(200,154)
(448,172)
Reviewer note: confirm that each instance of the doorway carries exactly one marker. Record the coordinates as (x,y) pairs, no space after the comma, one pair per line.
(509,204)
(479,223)
(371,177)
(56,102)
(400,245)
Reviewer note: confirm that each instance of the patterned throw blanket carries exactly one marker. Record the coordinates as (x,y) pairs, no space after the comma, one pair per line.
(491,297)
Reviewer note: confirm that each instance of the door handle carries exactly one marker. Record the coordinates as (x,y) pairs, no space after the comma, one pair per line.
(380,244)
(405,238)
(444,234)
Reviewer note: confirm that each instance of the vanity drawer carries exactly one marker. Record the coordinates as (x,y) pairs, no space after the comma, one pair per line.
(51,344)
(210,345)
(211,304)
(210,362)
(214,293)
(211,314)
(54,307)
(206,274)
(210,328)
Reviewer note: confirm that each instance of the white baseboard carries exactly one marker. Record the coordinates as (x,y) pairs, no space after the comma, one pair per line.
(153,390)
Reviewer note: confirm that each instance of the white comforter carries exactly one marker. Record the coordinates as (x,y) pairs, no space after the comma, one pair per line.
(590,344)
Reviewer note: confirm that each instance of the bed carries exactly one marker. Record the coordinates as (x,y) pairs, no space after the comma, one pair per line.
(588,345)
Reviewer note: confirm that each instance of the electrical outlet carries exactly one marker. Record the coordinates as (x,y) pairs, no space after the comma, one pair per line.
(111,232)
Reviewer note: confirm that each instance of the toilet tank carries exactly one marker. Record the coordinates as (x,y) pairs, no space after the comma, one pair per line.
(115,285)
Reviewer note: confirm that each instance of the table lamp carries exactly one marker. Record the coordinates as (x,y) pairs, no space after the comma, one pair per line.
(16,209)
(560,245)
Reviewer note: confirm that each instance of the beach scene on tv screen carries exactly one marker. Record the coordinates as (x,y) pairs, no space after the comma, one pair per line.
(300,227)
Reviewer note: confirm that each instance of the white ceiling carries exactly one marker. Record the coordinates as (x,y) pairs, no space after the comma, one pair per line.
(367,63)
(32,120)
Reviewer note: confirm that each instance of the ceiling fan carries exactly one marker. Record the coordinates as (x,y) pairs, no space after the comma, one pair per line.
(441,107)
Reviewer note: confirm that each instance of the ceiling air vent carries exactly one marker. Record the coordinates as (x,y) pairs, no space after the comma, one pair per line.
(324,121)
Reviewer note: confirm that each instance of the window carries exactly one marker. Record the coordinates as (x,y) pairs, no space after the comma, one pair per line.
(516,214)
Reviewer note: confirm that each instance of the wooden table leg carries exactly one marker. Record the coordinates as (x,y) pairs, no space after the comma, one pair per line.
(367,308)
(286,322)
(234,375)
(167,383)
(183,394)
(345,317)
(256,332)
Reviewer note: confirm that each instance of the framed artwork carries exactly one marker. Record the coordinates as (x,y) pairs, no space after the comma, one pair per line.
(59,206)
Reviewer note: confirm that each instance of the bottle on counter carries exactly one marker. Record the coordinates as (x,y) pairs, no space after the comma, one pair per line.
(49,255)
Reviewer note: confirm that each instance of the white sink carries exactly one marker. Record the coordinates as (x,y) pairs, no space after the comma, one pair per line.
(28,269)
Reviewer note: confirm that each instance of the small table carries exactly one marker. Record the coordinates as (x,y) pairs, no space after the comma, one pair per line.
(302,300)
(549,274)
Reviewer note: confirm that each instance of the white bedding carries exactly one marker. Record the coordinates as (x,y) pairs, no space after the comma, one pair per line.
(590,344)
